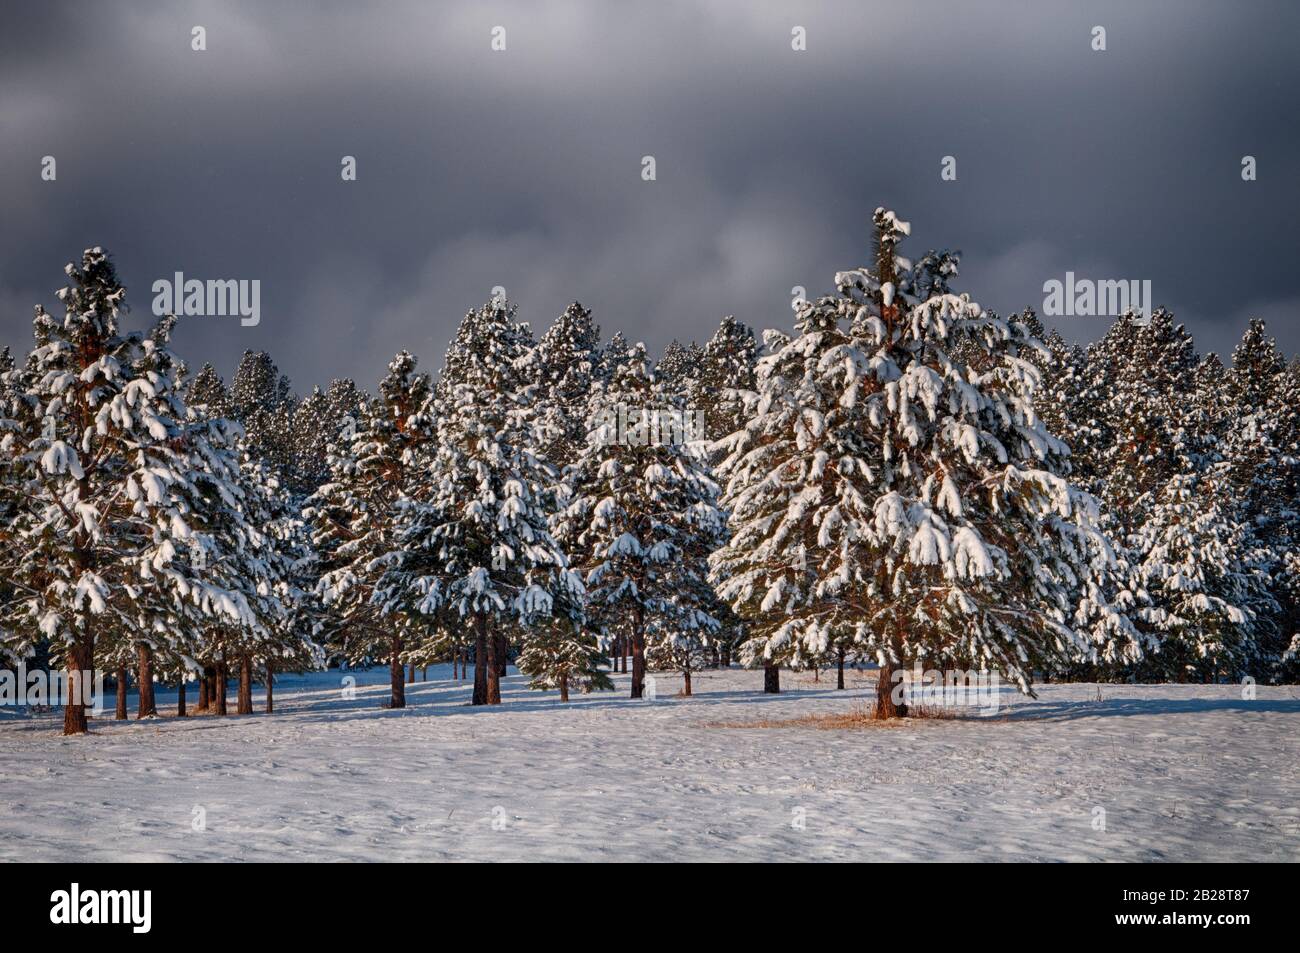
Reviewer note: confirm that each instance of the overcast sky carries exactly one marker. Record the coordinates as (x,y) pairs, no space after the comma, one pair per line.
(522,168)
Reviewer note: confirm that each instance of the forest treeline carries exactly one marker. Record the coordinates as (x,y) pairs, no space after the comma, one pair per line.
(899,477)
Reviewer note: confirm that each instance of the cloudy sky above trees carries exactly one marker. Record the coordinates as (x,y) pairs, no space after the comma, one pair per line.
(522,168)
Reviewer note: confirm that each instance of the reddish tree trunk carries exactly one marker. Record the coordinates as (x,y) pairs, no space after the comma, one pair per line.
(398,696)
(219,687)
(270,689)
(564,688)
(410,674)
(503,654)
(147,707)
(244,704)
(492,664)
(686,678)
(204,685)
(638,658)
(121,694)
(885,707)
(772,679)
(480,660)
(79,661)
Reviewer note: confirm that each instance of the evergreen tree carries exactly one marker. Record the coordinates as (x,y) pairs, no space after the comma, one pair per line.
(478,543)
(260,399)
(679,368)
(644,521)
(567,365)
(561,653)
(358,519)
(105,458)
(882,484)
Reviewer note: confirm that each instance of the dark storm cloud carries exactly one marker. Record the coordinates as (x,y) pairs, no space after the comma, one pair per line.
(522,168)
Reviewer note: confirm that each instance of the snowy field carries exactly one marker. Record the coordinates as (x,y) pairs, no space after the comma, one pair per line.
(1181,773)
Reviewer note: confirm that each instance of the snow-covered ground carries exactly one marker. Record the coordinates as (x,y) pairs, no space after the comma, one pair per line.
(1181,773)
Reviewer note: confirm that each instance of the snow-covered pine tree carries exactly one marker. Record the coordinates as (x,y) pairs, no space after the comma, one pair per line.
(1157,453)
(567,364)
(678,370)
(279,578)
(565,657)
(644,520)
(1256,409)
(478,543)
(1206,593)
(206,390)
(884,484)
(13,387)
(718,395)
(261,400)
(725,379)
(318,420)
(105,461)
(612,356)
(357,516)
(798,461)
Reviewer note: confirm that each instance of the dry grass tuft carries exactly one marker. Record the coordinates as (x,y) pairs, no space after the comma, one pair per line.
(858,717)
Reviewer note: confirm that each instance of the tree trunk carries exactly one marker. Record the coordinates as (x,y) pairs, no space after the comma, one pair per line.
(79,662)
(410,674)
(726,656)
(204,684)
(623,648)
(244,706)
(398,696)
(564,688)
(772,679)
(817,673)
(491,665)
(147,707)
(839,661)
(503,654)
(885,707)
(180,698)
(638,657)
(219,686)
(424,674)
(686,676)
(480,660)
(270,689)
(121,693)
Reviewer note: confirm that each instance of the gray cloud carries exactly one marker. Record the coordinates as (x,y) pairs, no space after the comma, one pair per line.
(522,168)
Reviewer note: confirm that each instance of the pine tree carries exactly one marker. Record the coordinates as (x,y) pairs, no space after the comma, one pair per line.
(885,486)
(679,369)
(357,515)
(105,456)
(561,653)
(478,543)
(261,400)
(643,522)
(718,398)
(319,420)
(567,365)
(206,390)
